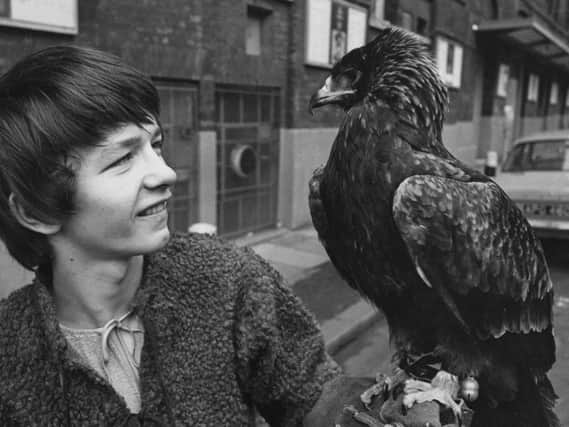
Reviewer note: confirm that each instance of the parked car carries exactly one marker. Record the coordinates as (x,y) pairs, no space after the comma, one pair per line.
(535,174)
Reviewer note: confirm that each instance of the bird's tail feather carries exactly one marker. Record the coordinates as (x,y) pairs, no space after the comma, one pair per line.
(533,406)
(548,398)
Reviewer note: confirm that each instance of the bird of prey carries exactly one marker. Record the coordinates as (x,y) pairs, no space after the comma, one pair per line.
(437,246)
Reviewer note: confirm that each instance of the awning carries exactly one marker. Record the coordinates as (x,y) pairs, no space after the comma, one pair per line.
(530,34)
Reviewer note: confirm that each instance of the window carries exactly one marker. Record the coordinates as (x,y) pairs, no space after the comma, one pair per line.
(333,27)
(517,159)
(450,58)
(548,155)
(253,32)
(339,25)
(533,87)
(449,61)
(54,16)
(503,77)
(422,26)
(178,116)
(554,94)
(537,156)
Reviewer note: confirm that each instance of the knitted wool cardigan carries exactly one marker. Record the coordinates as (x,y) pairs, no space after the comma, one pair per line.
(223,335)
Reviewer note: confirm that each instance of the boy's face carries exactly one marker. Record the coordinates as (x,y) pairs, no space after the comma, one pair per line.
(121,191)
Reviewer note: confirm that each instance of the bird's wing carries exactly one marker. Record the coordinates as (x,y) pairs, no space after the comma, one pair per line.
(471,244)
(321,222)
(317,211)
(361,123)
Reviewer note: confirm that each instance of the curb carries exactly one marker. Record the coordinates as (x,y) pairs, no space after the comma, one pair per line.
(347,325)
(259,237)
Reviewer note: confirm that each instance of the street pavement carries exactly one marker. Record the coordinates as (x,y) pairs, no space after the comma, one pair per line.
(357,335)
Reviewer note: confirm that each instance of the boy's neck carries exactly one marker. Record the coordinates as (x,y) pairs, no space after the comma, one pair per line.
(89,295)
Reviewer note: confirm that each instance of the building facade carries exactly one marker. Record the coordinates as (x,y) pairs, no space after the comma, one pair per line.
(505,64)
(235,77)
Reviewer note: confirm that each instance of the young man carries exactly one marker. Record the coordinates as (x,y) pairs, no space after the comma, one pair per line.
(123,322)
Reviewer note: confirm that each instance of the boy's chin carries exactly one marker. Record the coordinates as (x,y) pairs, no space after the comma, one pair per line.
(165,238)
(157,241)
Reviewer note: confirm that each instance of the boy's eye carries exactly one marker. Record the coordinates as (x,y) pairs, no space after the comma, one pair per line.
(124,159)
(157,145)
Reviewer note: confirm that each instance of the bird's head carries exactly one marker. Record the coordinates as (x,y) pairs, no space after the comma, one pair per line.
(397,69)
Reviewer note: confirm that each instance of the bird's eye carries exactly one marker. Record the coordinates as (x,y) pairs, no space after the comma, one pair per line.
(348,79)
(355,76)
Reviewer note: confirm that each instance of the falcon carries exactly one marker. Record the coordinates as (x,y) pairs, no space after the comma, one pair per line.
(436,245)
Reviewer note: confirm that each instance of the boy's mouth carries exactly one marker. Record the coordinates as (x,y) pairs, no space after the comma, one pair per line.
(154,209)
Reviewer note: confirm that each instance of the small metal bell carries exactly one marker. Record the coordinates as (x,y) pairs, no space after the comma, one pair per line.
(469,389)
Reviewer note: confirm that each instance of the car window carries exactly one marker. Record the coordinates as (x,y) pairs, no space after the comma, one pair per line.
(537,156)
(517,160)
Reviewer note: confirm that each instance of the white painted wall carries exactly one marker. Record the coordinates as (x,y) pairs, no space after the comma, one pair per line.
(301,152)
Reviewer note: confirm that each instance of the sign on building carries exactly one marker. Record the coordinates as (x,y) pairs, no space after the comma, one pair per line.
(58,16)
(333,28)
(449,61)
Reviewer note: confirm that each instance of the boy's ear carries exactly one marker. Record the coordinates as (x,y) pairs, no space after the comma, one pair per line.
(29,221)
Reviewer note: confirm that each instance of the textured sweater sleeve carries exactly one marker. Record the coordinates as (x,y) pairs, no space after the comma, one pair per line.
(281,356)
(4,421)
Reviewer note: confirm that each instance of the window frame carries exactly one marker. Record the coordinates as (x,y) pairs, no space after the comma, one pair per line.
(554,93)
(527,162)
(317,49)
(533,83)
(259,43)
(454,78)
(502,80)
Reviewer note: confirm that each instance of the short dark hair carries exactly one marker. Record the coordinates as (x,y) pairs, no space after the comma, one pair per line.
(52,103)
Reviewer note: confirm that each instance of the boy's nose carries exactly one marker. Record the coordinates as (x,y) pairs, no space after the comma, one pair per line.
(159,173)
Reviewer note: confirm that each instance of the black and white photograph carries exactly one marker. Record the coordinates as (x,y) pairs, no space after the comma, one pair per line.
(284,213)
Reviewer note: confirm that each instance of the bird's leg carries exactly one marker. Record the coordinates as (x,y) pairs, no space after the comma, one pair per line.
(443,389)
(380,388)
(383,385)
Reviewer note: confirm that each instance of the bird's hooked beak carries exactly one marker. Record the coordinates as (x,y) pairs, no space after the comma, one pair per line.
(330,93)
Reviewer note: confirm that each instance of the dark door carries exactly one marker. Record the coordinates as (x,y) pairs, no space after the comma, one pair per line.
(247,159)
(178,106)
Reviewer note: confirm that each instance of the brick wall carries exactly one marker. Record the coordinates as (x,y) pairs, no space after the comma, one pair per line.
(174,39)
(162,38)
(225,43)
(16,43)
